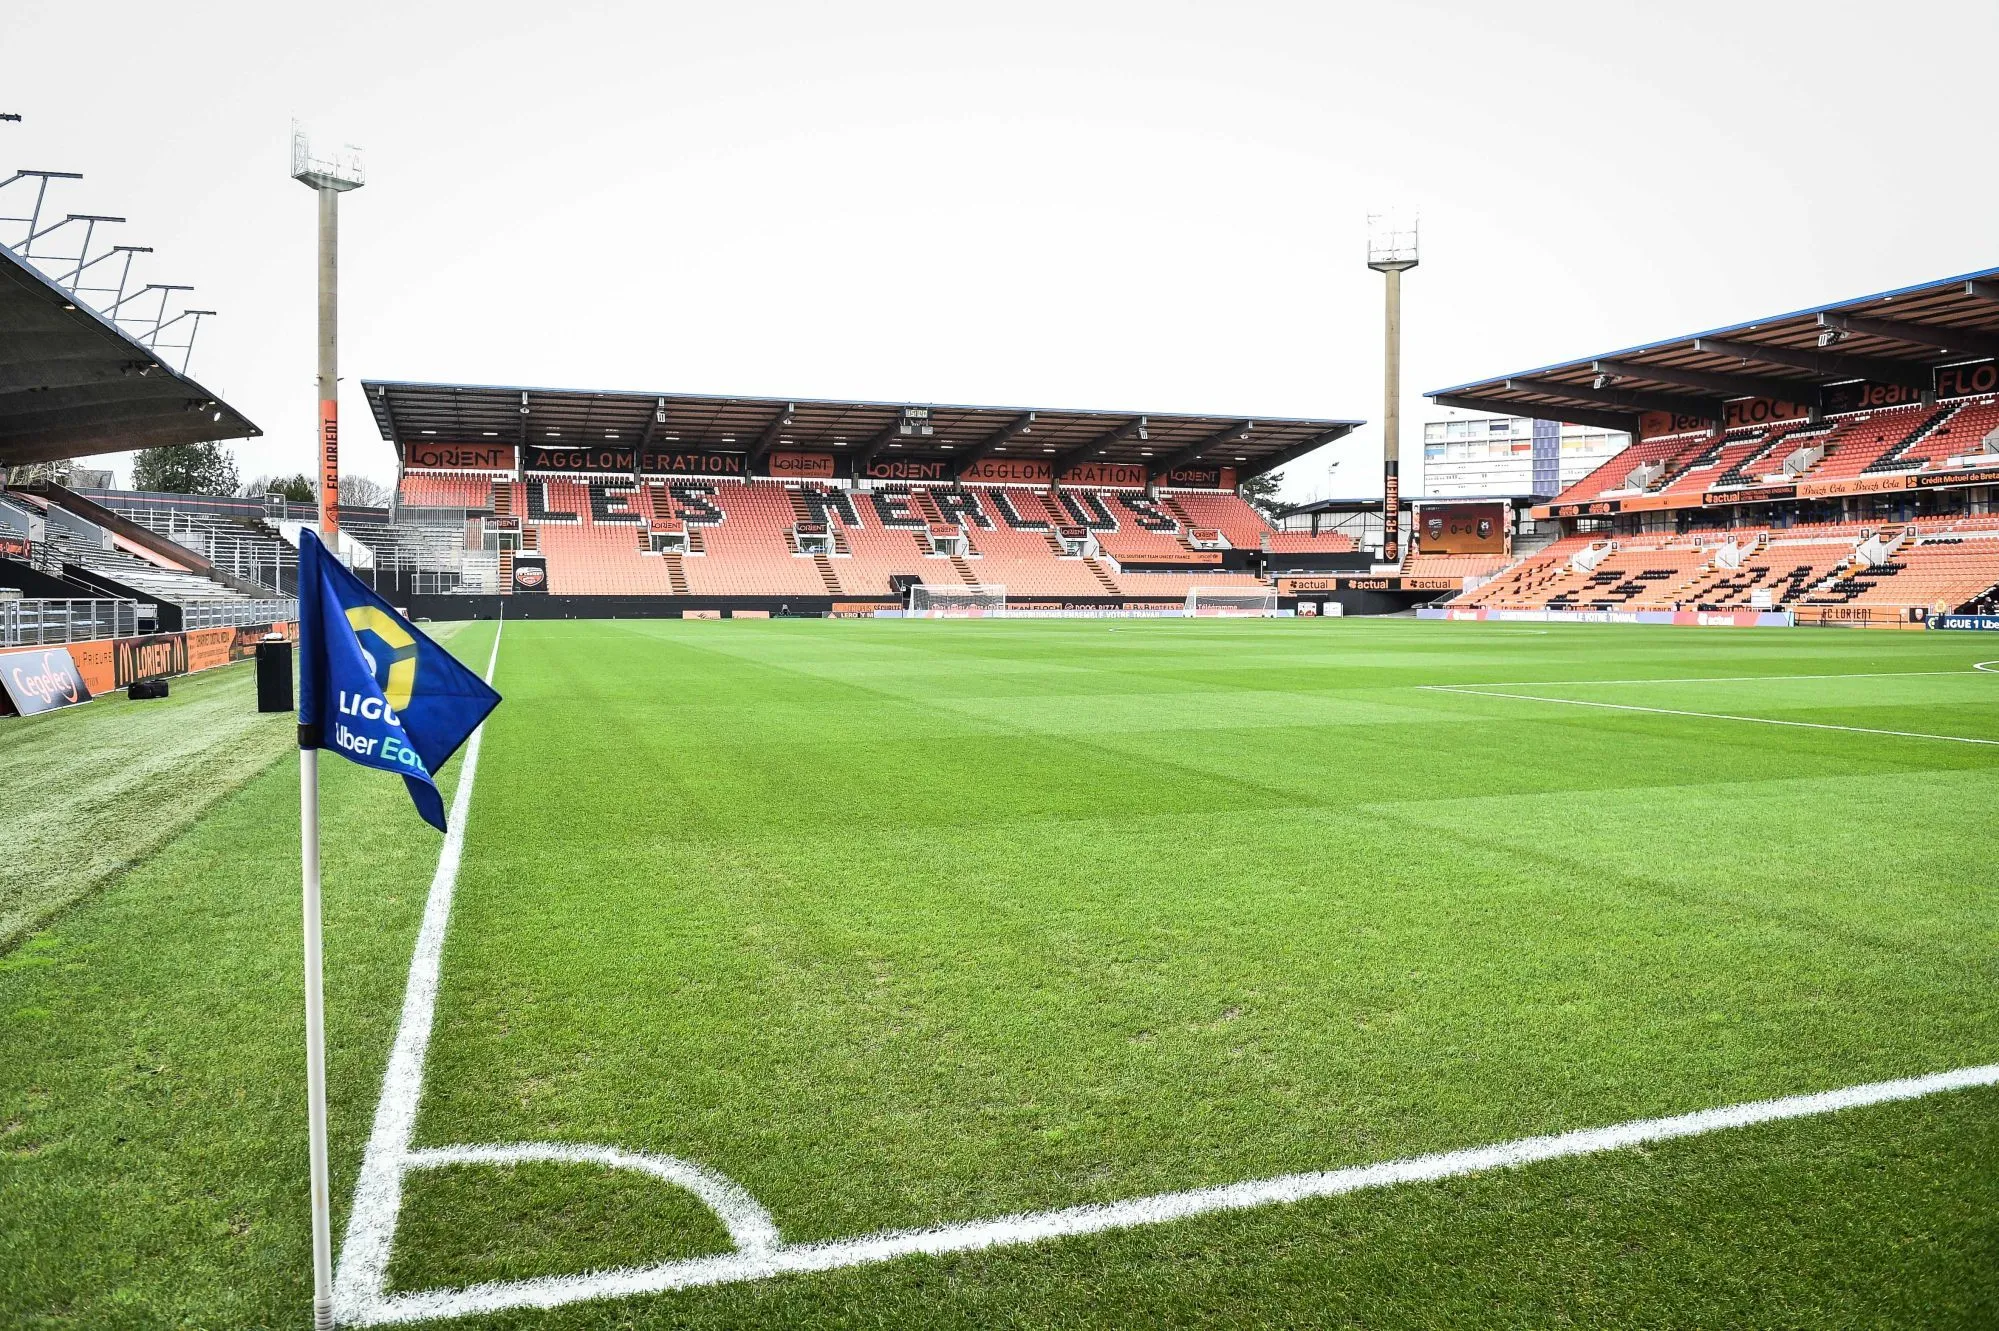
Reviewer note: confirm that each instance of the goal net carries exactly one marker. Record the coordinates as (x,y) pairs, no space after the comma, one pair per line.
(933,601)
(1232,601)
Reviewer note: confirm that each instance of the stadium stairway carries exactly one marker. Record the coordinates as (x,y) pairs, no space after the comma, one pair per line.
(1102,575)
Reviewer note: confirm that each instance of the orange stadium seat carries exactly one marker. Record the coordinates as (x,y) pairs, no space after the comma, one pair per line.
(446,489)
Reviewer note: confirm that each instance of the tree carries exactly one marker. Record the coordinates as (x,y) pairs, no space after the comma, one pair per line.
(363,492)
(186,469)
(300,489)
(1260,492)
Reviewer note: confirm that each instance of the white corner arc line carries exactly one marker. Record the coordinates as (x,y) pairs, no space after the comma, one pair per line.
(1468,691)
(748,1224)
(378,1192)
(1068,1222)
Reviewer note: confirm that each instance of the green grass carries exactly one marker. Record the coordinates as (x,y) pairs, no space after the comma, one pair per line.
(899,924)
(87,793)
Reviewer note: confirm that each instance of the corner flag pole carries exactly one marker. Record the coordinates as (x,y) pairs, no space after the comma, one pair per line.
(315,1039)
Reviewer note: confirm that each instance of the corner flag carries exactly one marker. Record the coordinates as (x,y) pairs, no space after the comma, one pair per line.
(374,689)
(382,695)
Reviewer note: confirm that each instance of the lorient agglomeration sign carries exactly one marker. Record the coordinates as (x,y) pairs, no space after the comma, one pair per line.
(794,464)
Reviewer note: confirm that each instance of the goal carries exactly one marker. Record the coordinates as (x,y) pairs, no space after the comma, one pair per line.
(956,601)
(1232,601)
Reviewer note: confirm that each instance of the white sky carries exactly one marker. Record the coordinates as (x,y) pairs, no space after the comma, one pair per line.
(1149,206)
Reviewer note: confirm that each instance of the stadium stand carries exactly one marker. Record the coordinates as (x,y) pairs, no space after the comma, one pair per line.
(1822,460)
(96,561)
(1454,566)
(771,539)
(1240,525)
(1298,542)
(1913,566)
(443,489)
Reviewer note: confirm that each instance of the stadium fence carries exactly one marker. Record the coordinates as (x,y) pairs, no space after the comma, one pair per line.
(53,623)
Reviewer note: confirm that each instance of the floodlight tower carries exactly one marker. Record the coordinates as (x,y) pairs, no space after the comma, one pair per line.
(1391,251)
(330,177)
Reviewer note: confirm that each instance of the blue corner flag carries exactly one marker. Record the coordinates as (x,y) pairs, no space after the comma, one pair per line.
(372,688)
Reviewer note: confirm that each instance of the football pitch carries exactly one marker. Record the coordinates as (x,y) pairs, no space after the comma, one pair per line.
(1058,974)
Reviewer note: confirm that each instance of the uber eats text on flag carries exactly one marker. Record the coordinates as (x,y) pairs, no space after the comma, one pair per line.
(372,688)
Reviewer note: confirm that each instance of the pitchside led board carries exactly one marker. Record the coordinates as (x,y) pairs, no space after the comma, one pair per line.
(42,680)
(1463,529)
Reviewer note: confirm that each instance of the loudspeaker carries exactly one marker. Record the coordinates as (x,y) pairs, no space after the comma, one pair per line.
(274,675)
(147,688)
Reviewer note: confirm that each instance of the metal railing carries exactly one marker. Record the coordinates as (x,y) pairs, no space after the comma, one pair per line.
(46,623)
(233,614)
(230,547)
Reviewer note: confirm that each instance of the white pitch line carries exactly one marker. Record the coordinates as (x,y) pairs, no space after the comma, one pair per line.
(378,1194)
(1038,1227)
(1690,679)
(1467,691)
(749,1226)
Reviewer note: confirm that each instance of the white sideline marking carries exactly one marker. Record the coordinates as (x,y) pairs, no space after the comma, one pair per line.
(1989,667)
(1695,679)
(1711,716)
(1014,1230)
(361,1295)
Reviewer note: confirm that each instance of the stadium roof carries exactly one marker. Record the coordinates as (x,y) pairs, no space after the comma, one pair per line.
(72,382)
(1895,338)
(406,412)
(1377,504)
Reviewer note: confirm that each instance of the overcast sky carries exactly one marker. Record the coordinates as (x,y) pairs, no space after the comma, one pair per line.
(1148,206)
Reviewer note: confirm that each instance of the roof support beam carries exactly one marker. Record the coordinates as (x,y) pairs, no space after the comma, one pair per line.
(395,430)
(1626,422)
(1195,452)
(1291,454)
(1700,408)
(1981,289)
(1963,340)
(1829,365)
(1092,448)
(874,444)
(1799,391)
(771,434)
(1013,429)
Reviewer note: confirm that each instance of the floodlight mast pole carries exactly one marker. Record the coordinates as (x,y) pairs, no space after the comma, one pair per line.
(329,178)
(1391,251)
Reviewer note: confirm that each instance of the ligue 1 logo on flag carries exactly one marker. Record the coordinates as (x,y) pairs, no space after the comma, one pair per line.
(390,652)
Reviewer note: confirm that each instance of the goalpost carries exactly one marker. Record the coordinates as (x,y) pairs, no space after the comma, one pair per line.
(1232,601)
(957,601)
